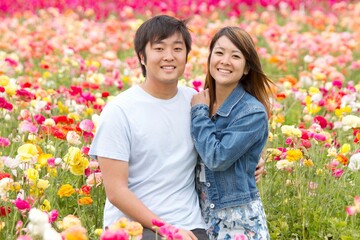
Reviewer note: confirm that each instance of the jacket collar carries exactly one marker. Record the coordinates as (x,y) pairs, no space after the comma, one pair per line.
(231,101)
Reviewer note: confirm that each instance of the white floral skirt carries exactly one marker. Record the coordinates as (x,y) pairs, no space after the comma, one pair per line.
(242,222)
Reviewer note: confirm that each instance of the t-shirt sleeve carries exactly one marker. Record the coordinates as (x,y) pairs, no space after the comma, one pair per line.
(112,136)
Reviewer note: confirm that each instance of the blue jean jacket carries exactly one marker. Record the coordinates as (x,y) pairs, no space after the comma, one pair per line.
(230,145)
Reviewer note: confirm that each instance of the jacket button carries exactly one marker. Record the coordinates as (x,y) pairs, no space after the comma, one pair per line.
(212,205)
(208,184)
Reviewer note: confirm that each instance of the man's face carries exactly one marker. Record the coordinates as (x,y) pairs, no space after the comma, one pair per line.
(165,59)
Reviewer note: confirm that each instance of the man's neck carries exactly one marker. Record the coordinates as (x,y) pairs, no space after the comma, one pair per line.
(161,91)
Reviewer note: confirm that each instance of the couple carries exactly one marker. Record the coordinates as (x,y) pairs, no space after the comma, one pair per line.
(151,137)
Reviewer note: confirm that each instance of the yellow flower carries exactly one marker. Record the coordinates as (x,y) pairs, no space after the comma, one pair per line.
(76,161)
(319,171)
(2,225)
(308,163)
(120,224)
(134,228)
(43,184)
(85,201)
(27,152)
(45,206)
(4,80)
(66,190)
(62,108)
(98,231)
(10,90)
(345,148)
(32,174)
(293,155)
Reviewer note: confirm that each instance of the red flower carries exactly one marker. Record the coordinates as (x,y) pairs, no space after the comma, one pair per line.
(321,121)
(25,95)
(4,175)
(62,119)
(4,211)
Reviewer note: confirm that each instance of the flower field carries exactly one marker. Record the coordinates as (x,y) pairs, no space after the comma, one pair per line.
(62,61)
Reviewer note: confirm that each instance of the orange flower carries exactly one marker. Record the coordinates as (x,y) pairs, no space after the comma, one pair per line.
(343,159)
(85,201)
(75,233)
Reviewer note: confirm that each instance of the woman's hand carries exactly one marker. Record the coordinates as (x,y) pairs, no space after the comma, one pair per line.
(202,97)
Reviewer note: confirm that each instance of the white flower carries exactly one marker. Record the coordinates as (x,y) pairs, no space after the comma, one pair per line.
(354,162)
(51,234)
(350,121)
(73,138)
(282,164)
(38,217)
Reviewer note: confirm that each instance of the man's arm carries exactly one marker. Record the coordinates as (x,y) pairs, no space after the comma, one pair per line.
(115,178)
(260,169)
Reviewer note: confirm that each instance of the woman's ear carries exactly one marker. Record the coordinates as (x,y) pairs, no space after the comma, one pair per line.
(142,60)
(246,69)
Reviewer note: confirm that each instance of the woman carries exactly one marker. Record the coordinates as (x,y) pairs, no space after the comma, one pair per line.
(230,130)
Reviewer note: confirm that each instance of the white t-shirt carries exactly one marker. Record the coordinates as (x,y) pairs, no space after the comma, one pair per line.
(153,135)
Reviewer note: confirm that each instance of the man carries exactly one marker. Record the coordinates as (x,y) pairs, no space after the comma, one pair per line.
(143,142)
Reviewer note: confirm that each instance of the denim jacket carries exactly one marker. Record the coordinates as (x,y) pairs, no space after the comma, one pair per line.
(230,144)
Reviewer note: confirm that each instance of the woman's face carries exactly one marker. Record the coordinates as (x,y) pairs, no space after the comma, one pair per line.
(227,63)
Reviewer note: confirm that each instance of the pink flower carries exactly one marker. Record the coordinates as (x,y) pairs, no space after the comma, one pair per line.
(51,162)
(337,173)
(240,237)
(114,235)
(319,137)
(170,232)
(4,142)
(22,204)
(351,210)
(94,179)
(24,237)
(86,125)
(305,143)
(53,215)
(157,223)
(27,127)
(39,118)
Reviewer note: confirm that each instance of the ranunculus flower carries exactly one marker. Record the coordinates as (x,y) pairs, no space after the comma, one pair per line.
(119,234)
(27,152)
(86,125)
(337,173)
(94,179)
(53,215)
(354,162)
(85,201)
(321,121)
(293,155)
(66,190)
(73,138)
(4,142)
(76,161)
(22,204)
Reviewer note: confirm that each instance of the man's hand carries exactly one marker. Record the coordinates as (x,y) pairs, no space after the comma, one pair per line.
(187,234)
(260,169)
